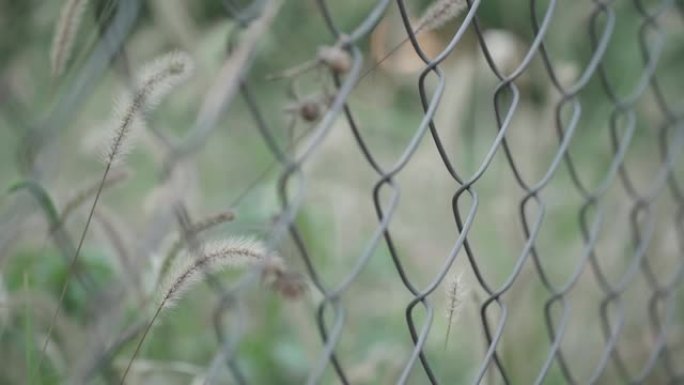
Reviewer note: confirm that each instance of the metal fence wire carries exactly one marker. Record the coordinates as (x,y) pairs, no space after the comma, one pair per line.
(539,186)
(617,338)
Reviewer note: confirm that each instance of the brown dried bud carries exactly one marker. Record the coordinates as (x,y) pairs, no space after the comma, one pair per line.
(336,58)
(310,111)
(291,285)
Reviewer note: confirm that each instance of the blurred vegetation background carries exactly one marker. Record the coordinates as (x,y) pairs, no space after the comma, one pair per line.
(50,128)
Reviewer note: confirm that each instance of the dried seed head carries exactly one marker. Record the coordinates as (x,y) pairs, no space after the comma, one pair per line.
(216,256)
(440,13)
(454,293)
(123,130)
(175,243)
(156,79)
(68,24)
(310,111)
(233,253)
(336,58)
(290,285)
(153,82)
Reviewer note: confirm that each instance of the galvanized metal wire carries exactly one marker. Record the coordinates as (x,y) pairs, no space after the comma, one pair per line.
(622,128)
(619,132)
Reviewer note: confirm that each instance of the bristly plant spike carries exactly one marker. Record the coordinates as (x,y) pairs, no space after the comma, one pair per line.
(65,32)
(213,220)
(153,83)
(440,13)
(216,256)
(454,294)
(213,257)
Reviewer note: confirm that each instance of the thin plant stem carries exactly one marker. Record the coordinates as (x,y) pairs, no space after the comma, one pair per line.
(141,340)
(72,265)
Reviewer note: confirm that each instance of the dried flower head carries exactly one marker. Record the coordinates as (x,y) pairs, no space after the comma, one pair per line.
(454,295)
(175,242)
(440,13)
(65,32)
(309,110)
(156,79)
(336,58)
(235,253)
(214,257)
(290,285)
(152,83)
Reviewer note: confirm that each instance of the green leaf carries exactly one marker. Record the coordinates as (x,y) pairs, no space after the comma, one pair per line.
(41,196)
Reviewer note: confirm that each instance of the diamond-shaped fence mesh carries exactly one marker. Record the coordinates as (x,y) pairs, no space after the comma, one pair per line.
(590,169)
(491,194)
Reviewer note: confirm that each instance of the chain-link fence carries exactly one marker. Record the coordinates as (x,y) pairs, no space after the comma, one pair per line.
(617,132)
(513,164)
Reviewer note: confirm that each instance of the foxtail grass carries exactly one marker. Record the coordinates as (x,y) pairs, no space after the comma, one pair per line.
(66,28)
(214,257)
(153,83)
(454,294)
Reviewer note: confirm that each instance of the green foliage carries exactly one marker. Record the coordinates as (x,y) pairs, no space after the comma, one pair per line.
(47,272)
(41,196)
